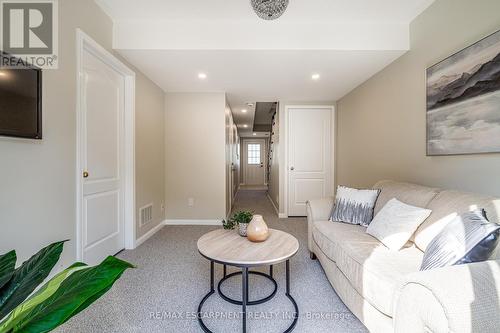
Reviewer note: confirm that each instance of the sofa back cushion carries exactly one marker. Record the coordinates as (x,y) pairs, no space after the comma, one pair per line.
(411,194)
(446,206)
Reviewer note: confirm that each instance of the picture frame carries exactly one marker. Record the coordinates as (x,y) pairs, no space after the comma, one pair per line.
(463,101)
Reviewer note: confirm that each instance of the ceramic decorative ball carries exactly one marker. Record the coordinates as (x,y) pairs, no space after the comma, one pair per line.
(257,230)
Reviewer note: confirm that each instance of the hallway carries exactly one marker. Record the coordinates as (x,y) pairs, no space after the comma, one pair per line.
(163,292)
(255,201)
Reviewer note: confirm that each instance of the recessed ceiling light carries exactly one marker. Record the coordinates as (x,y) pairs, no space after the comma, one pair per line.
(245,125)
(202,76)
(254,134)
(244,111)
(315,77)
(250,105)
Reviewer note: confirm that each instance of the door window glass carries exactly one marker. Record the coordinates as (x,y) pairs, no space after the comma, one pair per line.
(253,153)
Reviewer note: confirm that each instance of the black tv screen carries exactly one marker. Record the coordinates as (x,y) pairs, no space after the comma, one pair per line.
(20,102)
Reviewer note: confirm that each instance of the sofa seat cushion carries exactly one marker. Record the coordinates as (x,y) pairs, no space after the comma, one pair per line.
(373,270)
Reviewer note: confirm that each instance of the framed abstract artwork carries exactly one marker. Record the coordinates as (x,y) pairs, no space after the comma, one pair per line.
(463,101)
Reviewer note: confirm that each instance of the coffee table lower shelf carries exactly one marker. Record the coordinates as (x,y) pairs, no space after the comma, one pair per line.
(245,302)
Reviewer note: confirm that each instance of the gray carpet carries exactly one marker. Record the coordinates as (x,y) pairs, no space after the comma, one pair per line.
(163,293)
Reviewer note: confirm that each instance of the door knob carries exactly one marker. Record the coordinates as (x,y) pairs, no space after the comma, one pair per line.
(85,174)
(292,168)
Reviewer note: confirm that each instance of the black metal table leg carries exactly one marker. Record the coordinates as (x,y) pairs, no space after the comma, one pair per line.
(210,293)
(296,315)
(245,291)
(245,297)
(248,286)
(212,278)
(249,302)
(287,277)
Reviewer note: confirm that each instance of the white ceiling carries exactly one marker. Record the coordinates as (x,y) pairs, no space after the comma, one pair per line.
(253,60)
(261,76)
(401,11)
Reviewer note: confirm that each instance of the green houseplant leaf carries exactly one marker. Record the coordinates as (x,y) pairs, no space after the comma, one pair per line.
(20,312)
(28,276)
(76,292)
(7,267)
(242,217)
(229,224)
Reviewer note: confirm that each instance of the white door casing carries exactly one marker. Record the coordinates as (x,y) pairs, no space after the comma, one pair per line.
(255,166)
(309,156)
(105,153)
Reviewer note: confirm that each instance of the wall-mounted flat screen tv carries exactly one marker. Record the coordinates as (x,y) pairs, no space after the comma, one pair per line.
(20,101)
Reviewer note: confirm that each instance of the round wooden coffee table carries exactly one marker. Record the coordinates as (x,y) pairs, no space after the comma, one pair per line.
(228,248)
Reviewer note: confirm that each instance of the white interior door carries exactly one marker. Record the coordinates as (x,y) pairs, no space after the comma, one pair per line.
(255,171)
(102,96)
(309,156)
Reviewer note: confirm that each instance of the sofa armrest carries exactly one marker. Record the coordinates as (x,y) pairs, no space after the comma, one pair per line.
(462,298)
(317,210)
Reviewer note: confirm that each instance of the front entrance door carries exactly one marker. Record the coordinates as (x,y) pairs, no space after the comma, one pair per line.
(254,161)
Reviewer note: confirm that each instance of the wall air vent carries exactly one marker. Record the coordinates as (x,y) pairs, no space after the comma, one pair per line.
(146,214)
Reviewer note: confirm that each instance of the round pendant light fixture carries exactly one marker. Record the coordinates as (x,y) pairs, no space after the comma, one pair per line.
(269,9)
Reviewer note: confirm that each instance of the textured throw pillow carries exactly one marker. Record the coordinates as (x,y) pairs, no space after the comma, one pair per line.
(467,238)
(354,206)
(396,222)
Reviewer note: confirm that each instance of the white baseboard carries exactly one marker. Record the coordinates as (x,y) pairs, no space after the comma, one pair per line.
(272,203)
(282,216)
(192,222)
(148,234)
(157,228)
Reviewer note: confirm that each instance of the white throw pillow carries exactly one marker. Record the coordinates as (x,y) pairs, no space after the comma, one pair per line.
(396,222)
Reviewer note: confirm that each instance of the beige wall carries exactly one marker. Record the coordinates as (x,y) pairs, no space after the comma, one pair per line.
(149,150)
(37,182)
(195,156)
(381,124)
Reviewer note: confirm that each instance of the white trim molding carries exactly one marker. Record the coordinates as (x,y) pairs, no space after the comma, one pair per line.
(163,223)
(191,222)
(282,216)
(272,203)
(149,234)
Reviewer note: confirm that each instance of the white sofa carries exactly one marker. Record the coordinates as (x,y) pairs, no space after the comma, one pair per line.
(386,290)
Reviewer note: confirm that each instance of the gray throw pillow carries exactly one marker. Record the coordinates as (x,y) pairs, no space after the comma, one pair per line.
(467,238)
(354,206)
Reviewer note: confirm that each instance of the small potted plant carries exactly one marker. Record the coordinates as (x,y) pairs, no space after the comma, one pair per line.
(242,219)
